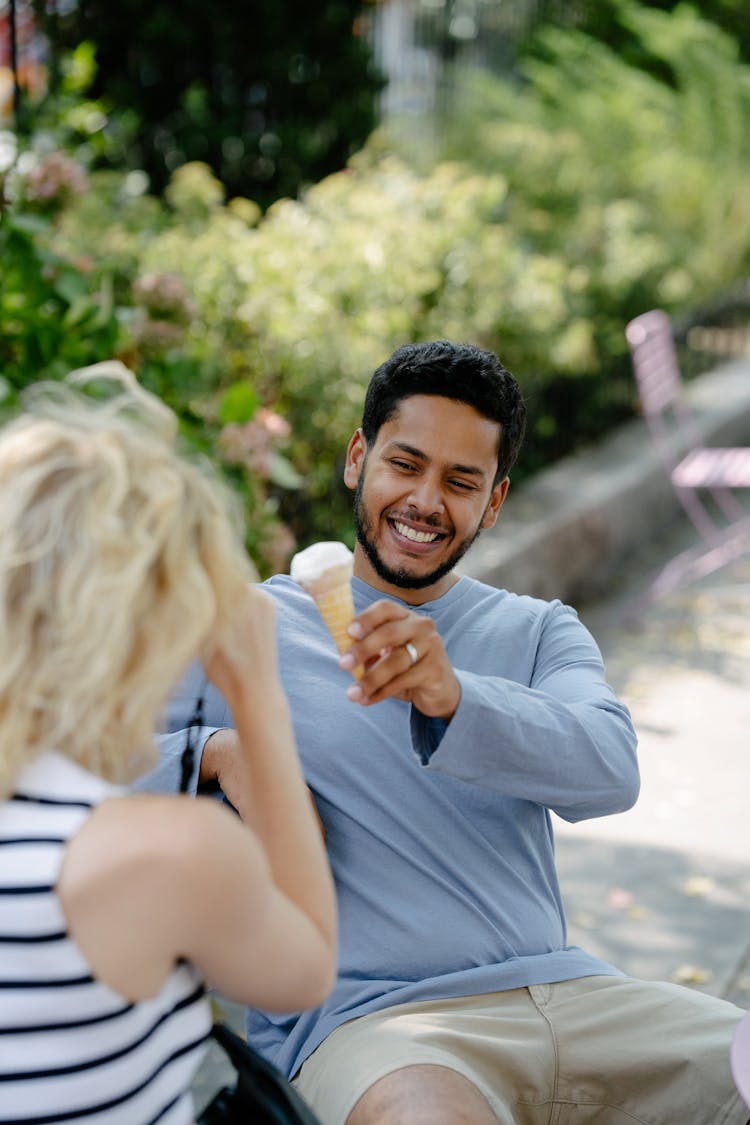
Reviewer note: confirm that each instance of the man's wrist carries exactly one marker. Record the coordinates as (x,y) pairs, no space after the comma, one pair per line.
(210,758)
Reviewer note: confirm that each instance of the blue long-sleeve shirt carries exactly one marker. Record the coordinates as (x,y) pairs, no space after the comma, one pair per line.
(439,835)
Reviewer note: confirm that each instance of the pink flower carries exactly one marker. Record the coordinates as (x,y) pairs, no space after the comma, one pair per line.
(278,546)
(251,443)
(277,426)
(158,335)
(246,444)
(54,182)
(163,295)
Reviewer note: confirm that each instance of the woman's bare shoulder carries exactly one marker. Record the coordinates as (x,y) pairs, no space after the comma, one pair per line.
(146,864)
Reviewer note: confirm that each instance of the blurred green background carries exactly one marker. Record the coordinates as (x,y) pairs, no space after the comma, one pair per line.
(253,204)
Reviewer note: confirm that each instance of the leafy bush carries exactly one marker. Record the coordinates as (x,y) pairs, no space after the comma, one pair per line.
(634,184)
(52,316)
(75,288)
(565,208)
(271,96)
(293,313)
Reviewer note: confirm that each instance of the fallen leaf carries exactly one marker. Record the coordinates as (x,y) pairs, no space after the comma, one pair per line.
(619,898)
(697,886)
(691,974)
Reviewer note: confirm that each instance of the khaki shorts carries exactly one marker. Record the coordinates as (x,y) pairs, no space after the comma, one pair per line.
(603,1050)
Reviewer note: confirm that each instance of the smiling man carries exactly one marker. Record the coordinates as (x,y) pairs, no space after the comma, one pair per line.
(480,712)
(416,501)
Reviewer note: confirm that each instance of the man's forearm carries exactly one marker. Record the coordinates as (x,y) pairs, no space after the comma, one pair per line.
(166,775)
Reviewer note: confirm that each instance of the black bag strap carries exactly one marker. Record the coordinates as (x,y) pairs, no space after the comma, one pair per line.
(262,1094)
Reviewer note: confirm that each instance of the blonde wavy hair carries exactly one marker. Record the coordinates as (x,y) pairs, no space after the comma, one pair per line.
(119,560)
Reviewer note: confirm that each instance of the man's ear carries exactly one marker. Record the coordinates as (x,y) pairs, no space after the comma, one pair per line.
(356,451)
(499,492)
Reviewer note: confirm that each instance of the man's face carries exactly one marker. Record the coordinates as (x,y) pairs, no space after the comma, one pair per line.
(423,493)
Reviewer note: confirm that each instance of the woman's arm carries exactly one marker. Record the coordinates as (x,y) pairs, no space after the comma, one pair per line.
(149,880)
(251,905)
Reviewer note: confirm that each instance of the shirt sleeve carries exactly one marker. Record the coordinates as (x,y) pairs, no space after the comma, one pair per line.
(165,776)
(563,741)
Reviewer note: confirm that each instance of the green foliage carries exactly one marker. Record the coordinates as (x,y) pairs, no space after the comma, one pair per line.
(562,208)
(52,318)
(608,22)
(296,311)
(634,181)
(271,96)
(76,287)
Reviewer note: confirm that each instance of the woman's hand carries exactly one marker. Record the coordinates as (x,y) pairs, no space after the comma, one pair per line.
(241,662)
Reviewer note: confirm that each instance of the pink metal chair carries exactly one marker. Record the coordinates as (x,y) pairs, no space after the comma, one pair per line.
(695,470)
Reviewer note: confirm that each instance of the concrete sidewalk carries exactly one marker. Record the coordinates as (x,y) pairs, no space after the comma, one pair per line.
(663,890)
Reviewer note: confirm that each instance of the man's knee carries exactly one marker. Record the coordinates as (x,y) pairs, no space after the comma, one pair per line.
(422,1095)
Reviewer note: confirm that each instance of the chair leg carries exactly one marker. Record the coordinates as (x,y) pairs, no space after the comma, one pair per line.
(696,563)
(729,504)
(698,513)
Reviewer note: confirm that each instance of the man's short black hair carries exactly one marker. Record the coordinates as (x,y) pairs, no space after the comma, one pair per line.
(462,372)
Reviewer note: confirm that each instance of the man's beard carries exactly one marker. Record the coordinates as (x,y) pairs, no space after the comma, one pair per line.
(400,577)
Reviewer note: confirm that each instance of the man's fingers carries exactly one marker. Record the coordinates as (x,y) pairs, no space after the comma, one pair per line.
(392,669)
(403,656)
(417,632)
(378,613)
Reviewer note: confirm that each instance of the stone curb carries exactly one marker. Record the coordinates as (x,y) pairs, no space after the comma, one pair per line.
(567,532)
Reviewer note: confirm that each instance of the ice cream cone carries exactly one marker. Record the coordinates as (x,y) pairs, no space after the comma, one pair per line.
(324,570)
(337,610)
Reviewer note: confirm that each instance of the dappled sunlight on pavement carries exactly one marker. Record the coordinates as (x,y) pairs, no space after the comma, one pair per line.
(663,890)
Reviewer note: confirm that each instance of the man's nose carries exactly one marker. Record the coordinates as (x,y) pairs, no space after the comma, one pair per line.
(427,494)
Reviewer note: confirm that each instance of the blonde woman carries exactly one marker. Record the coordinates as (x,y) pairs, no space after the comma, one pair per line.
(118,565)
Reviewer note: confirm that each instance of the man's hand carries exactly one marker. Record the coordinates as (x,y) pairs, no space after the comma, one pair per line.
(404,658)
(223,762)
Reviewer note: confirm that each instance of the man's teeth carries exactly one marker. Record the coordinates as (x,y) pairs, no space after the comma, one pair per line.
(416,536)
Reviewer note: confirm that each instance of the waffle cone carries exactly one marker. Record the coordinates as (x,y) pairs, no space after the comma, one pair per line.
(337,610)
(325,571)
(336,607)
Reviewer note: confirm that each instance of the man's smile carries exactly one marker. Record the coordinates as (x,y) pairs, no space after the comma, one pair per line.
(415,536)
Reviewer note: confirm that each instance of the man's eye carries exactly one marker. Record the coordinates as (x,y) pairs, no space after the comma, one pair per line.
(463,485)
(401,464)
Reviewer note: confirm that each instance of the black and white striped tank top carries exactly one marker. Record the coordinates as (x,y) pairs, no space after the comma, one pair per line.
(72,1049)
